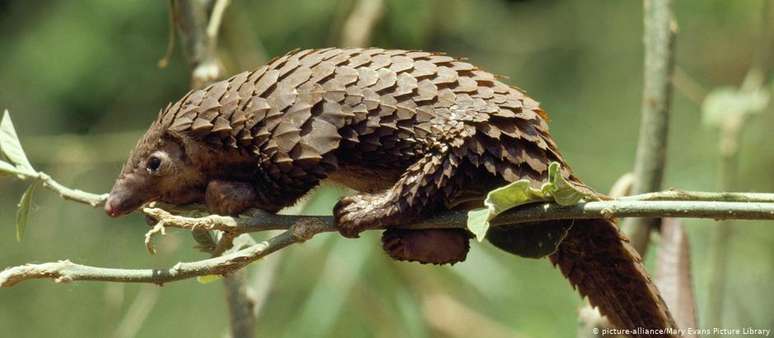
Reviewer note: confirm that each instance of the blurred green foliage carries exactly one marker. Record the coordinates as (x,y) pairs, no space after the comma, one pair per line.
(81,81)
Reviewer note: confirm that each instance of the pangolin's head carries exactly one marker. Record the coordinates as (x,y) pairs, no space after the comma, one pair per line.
(158,169)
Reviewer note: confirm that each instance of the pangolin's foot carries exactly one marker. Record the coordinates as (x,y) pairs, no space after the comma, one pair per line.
(435,246)
(357,213)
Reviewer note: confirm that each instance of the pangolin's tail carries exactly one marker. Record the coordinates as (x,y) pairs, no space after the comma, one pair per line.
(599,261)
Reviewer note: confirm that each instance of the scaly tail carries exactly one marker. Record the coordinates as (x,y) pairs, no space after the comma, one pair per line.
(599,261)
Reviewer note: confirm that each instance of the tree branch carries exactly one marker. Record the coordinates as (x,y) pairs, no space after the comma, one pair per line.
(197,23)
(301,228)
(650,160)
(67,271)
(689,204)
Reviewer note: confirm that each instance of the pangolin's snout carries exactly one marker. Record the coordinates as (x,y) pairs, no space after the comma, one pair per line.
(123,200)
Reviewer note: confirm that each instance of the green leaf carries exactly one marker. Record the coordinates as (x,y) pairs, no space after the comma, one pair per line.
(499,200)
(556,188)
(207,279)
(23,213)
(726,103)
(512,195)
(478,222)
(10,145)
(563,192)
(6,168)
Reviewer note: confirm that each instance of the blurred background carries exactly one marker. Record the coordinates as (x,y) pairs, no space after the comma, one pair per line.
(81,81)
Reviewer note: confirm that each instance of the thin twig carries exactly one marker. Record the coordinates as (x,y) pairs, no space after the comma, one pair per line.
(192,18)
(682,195)
(75,195)
(137,313)
(449,316)
(216,17)
(361,22)
(650,161)
(241,306)
(164,61)
(262,281)
(67,271)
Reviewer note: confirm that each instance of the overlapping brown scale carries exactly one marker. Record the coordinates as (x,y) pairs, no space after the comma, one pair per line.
(297,77)
(387,79)
(216,90)
(406,84)
(529,133)
(256,74)
(506,126)
(236,81)
(445,75)
(323,136)
(358,60)
(461,66)
(536,158)
(367,77)
(283,97)
(441,58)
(401,63)
(466,85)
(255,109)
(484,78)
(418,54)
(167,116)
(194,98)
(330,53)
(201,127)
(341,59)
(314,58)
(423,69)
(380,61)
(426,90)
(322,71)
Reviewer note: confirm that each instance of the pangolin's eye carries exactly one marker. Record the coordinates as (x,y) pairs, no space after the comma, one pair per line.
(153,164)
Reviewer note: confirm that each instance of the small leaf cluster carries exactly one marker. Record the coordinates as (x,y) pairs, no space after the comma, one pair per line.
(13,161)
(555,189)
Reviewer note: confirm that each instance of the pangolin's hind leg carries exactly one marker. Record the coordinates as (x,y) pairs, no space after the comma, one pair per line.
(421,189)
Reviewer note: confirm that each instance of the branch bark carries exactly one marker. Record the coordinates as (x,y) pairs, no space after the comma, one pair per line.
(660,29)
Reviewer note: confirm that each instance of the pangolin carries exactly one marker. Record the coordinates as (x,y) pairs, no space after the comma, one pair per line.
(414,132)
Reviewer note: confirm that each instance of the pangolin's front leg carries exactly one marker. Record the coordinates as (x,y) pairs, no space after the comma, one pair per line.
(419,191)
(229,197)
